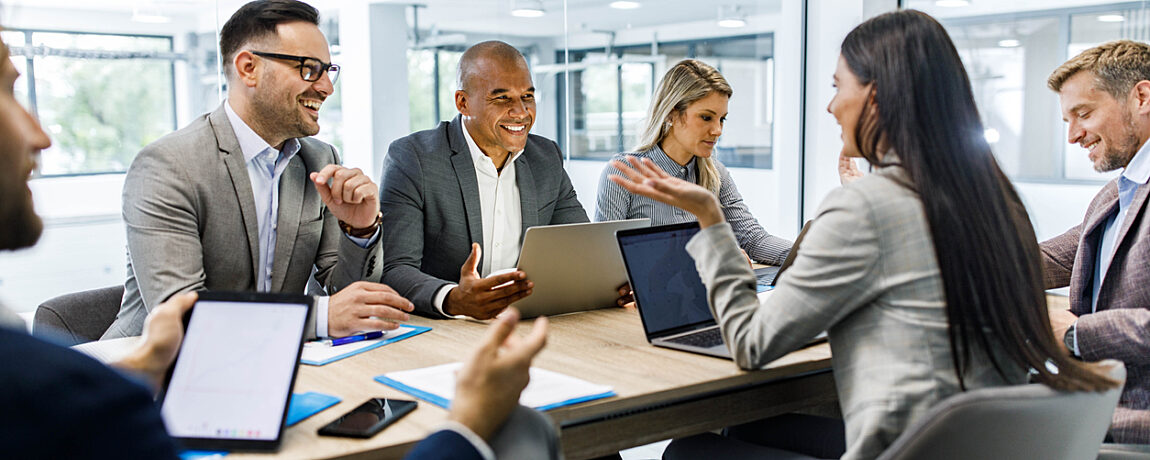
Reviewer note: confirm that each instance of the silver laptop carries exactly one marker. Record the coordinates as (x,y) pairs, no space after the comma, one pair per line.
(575,267)
(669,294)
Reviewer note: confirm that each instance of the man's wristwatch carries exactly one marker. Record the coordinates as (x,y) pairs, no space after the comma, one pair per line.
(365,232)
(1070,339)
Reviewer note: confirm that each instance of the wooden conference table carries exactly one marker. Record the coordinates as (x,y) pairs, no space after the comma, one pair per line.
(661,393)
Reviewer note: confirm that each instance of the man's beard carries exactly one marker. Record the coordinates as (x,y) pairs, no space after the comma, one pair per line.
(22,225)
(1120,155)
(282,120)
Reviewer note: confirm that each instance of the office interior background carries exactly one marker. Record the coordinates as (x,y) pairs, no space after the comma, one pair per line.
(106,78)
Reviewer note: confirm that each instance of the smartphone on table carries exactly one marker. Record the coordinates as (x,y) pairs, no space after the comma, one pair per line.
(369,418)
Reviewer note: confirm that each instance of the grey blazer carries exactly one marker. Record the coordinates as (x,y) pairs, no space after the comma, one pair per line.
(867,274)
(191,224)
(1120,329)
(431,212)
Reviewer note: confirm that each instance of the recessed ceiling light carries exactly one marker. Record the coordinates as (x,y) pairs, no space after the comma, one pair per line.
(527,9)
(1111,18)
(1009,43)
(952,3)
(625,4)
(732,23)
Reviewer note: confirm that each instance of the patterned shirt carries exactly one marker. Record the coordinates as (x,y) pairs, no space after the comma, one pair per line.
(615,203)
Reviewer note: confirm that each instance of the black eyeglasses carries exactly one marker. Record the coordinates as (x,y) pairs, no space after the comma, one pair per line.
(310,69)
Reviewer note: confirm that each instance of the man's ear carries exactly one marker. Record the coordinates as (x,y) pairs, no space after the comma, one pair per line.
(1140,97)
(247,68)
(461,102)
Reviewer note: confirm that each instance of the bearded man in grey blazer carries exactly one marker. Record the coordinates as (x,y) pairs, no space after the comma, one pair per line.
(457,198)
(225,203)
(1105,98)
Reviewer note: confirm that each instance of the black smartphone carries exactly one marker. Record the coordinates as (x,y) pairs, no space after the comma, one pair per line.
(369,418)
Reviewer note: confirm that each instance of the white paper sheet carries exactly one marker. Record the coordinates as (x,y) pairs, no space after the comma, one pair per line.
(546,389)
(321,351)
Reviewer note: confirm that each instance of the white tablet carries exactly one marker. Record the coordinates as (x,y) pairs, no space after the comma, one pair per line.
(230,385)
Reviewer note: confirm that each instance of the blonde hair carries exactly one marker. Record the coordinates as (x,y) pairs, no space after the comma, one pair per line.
(686,82)
(1116,67)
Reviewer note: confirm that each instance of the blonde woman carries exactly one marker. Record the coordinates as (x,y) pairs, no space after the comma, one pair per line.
(684,123)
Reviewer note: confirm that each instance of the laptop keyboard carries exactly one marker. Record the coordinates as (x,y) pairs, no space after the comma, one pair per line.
(704,339)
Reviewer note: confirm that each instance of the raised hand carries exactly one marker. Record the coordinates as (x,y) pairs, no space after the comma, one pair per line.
(351,196)
(644,177)
(483,298)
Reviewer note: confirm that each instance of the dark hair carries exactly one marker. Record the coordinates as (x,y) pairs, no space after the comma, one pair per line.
(987,252)
(257,20)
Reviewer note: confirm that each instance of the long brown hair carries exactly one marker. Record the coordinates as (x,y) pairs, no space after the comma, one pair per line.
(987,252)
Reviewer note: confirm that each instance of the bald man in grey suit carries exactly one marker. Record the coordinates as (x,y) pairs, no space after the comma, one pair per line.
(225,203)
(478,181)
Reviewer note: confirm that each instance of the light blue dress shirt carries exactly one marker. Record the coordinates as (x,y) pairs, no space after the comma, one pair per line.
(265,168)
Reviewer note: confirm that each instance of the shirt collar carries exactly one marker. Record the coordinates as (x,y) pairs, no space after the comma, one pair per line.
(668,165)
(251,144)
(1138,170)
(477,154)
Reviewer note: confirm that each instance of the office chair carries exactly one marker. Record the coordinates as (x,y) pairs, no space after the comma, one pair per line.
(1124,452)
(78,317)
(1024,421)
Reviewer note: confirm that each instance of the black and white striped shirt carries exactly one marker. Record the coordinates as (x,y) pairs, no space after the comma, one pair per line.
(615,203)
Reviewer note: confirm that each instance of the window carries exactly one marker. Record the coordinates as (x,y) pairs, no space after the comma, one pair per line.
(101,97)
(611,93)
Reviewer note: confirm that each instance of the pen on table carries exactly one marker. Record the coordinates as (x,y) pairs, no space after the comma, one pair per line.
(357,338)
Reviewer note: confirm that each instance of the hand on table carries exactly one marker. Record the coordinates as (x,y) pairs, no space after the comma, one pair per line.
(488,386)
(626,296)
(366,306)
(483,298)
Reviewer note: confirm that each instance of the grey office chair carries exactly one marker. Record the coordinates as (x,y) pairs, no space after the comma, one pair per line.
(1124,452)
(78,317)
(1025,421)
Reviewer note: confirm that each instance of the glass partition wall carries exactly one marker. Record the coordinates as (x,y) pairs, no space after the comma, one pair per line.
(1009,49)
(107,78)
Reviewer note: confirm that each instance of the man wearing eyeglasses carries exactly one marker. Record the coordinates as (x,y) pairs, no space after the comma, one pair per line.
(243,199)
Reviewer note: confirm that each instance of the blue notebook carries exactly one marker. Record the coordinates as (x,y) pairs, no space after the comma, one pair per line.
(318,353)
(548,390)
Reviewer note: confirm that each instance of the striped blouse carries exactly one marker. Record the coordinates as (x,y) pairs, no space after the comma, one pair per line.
(615,203)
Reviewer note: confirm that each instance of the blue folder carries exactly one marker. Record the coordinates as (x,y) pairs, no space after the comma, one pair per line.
(417,330)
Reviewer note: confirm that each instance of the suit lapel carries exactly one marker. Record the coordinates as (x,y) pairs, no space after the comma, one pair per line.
(1136,207)
(528,202)
(233,158)
(465,175)
(292,189)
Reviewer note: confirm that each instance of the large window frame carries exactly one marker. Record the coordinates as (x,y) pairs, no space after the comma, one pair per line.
(31,52)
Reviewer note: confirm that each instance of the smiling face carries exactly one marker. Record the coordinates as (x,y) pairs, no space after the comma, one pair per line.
(847,105)
(23,138)
(695,130)
(498,105)
(1099,123)
(283,104)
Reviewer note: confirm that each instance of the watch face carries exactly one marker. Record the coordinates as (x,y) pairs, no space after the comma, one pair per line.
(1069,339)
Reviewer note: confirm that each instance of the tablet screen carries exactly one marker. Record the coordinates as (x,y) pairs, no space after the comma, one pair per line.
(235,369)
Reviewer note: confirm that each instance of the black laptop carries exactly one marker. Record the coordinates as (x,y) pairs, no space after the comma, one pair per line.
(669,294)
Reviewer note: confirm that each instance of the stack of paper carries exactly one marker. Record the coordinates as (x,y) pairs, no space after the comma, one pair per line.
(319,353)
(546,391)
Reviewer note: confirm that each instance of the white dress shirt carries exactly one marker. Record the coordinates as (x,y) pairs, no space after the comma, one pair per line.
(265,169)
(501,213)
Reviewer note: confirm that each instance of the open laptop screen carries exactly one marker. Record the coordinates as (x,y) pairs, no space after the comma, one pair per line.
(667,287)
(231,381)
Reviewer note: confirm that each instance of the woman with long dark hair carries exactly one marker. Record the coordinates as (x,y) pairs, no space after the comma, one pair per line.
(925,274)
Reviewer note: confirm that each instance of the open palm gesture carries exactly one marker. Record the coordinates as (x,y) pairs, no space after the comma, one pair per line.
(644,177)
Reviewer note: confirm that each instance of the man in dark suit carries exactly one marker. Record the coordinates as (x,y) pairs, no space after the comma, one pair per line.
(243,199)
(59,403)
(478,181)
(1105,98)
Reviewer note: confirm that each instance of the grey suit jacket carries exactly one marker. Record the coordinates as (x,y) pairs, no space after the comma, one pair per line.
(191,223)
(866,272)
(1120,329)
(431,212)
